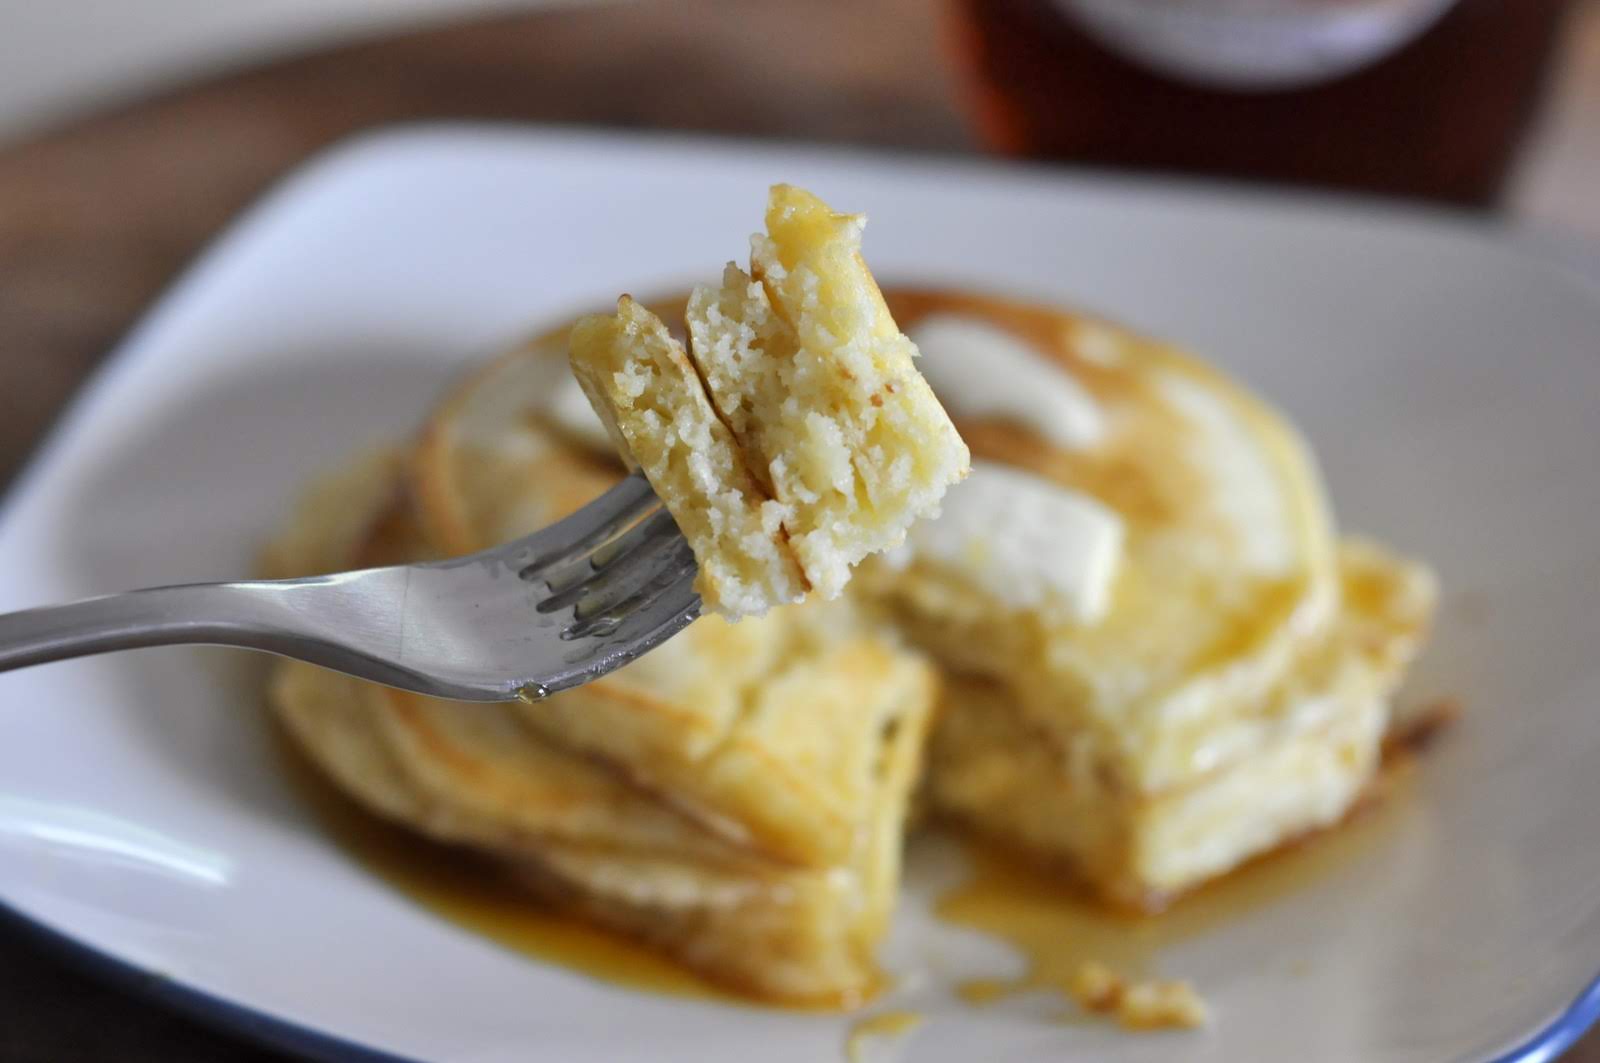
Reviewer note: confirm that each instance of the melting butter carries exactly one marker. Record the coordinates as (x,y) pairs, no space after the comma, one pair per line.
(1030,543)
(980,370)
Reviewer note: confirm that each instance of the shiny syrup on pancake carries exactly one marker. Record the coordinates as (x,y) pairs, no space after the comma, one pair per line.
(474,893)
(1053,925)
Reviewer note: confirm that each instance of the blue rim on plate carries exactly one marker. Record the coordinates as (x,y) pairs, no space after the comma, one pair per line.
(1563,1031)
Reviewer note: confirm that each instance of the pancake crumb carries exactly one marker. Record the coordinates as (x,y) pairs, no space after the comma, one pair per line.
(1419,729)
(1149,1004)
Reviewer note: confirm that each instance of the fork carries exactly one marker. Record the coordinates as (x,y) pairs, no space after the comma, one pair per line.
(544,613)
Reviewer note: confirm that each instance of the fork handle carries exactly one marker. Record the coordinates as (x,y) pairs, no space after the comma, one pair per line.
(312,619)
(213,613)
(287,617)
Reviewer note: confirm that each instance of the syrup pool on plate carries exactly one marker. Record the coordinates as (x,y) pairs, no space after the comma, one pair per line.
(1057,928)
(885,1025)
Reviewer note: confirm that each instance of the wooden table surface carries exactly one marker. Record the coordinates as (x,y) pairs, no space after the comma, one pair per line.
(96,218)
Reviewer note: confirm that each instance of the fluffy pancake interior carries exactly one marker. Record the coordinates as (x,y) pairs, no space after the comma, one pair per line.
(641,383)
(806,365)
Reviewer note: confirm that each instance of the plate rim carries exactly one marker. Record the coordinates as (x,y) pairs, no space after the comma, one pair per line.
(254,1024)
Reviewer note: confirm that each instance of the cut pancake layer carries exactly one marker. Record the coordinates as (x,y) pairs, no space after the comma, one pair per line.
(752,832)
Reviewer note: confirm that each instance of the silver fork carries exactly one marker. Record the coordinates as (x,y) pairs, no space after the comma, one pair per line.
(539,615)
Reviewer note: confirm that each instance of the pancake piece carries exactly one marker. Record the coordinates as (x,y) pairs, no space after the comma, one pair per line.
(768,735)
(753,724)
(1195,671)
(511,447)
(1019,784)
(584,839)
(639,380)
(805,364)
(735,798)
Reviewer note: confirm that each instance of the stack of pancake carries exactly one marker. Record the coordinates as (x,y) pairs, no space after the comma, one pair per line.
(1132,645)
(1223,680)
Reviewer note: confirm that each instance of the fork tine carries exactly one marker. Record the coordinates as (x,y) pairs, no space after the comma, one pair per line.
(674,574)
(464,628)
(579,535)
(639,633)
(655,620)
(638,550)
(627,588)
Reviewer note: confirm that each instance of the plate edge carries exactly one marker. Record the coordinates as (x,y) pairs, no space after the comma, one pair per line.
(1499,239)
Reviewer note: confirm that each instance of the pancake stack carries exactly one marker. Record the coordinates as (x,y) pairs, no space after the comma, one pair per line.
(1147,651)
(1231,689)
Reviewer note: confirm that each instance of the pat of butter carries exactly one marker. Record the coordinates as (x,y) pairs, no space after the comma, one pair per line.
(1031,543)
(979,370)
(569,408)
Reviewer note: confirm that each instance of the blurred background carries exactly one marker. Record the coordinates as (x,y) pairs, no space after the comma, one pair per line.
(1451,88)
(131,131)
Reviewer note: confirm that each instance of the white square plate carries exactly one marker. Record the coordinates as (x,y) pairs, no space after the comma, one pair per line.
(1449,382)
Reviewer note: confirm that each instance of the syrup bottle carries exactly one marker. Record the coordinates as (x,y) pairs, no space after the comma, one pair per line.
(1419,98)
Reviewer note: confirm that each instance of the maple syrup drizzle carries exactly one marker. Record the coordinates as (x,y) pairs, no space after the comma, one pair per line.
(473,892)
(895,1024)
(1057,927)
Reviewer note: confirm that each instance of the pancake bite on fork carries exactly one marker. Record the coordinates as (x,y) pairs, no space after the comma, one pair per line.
(794,436)
(806,364)
(640,382)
